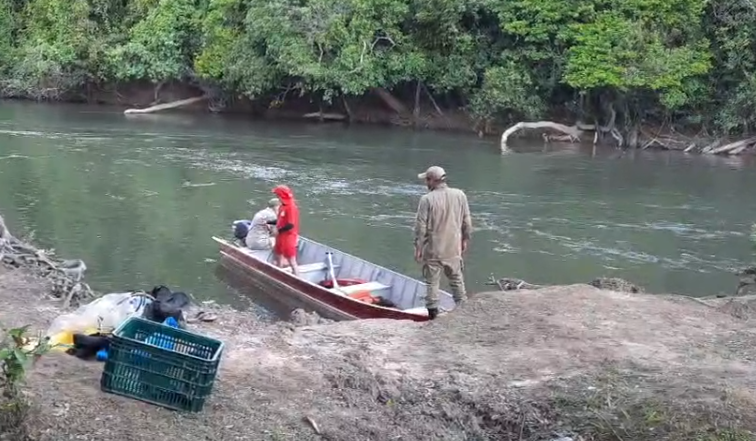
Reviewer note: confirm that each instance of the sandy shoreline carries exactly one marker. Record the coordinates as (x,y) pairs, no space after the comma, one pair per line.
(521,365)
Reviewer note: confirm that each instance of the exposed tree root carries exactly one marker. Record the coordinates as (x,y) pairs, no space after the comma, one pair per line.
(65,275)
(166,106)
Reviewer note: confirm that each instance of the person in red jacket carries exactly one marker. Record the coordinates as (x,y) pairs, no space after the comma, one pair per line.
(287,226)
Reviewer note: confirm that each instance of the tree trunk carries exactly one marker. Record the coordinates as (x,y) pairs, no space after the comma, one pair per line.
(391,101)
(346,108)
(416,110)
(433,101)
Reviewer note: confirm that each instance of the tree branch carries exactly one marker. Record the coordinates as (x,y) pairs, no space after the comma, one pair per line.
(346,107)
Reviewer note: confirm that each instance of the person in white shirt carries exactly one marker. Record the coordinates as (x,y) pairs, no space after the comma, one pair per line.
(261,235)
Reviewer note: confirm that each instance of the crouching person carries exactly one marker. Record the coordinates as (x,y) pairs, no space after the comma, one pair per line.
(261,234)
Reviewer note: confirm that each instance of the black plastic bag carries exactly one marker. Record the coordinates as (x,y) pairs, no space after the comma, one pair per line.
(166,304)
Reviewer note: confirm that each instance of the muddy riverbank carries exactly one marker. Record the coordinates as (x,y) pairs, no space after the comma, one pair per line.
(530,365)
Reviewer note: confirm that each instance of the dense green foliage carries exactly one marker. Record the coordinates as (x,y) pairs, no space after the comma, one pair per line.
(687,61)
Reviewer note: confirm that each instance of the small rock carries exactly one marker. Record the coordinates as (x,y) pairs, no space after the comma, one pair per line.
(300,317)
(615,284)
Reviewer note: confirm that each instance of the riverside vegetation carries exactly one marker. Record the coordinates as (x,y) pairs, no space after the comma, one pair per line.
(636,73)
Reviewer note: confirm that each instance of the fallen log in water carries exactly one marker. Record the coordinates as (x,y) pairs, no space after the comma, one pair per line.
(165,106)
(733,148)
(65,275)
(569,133)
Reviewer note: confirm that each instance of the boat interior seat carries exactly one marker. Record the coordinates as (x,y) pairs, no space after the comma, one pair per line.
(369,286)
(312,272)
(311,267)
(264,255)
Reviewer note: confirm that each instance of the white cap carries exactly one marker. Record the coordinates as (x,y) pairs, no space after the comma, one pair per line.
(434,172)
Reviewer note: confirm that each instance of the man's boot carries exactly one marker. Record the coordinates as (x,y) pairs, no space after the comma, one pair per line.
(432,313)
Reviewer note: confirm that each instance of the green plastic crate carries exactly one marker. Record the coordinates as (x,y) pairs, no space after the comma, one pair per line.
(161,365)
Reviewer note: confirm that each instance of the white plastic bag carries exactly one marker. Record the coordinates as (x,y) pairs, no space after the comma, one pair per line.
(106,312)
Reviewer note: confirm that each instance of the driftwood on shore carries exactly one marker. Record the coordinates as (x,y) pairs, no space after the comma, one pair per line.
(65,275)
(740,305)
(610,283)
(165,106)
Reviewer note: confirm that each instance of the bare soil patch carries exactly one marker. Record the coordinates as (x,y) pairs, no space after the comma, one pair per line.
(524,365)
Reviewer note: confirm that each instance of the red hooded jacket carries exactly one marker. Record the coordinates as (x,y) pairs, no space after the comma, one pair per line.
(288,217)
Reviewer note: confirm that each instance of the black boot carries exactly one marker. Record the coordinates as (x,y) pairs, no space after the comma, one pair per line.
(432,313)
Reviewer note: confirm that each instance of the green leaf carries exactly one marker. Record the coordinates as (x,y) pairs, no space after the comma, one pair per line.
(18,332)
(20,356)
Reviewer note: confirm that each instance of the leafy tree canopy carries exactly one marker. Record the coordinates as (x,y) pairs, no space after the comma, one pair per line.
(690,61)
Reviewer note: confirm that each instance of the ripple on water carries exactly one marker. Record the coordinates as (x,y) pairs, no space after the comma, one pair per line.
(33,133)
(504,247)
(312,180)
(625,253)
(679,229)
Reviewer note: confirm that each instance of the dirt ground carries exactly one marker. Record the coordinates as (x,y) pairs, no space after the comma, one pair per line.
(569,362)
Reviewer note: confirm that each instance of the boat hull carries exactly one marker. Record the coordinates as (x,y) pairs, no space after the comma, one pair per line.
(276,282)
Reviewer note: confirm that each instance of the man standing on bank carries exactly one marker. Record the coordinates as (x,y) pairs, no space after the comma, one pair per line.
(442,235)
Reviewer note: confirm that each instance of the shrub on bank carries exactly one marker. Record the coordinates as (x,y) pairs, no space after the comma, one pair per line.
(16,357)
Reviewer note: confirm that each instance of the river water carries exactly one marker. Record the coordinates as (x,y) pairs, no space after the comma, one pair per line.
(113,190)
